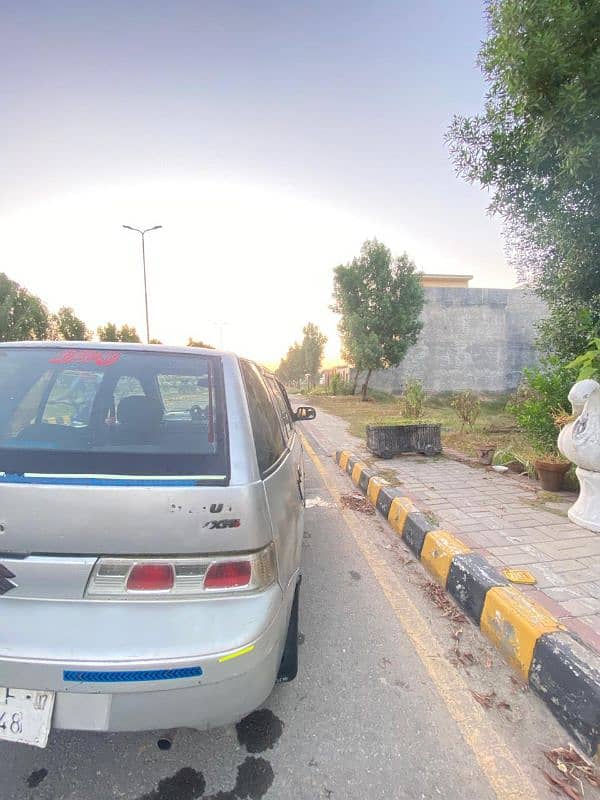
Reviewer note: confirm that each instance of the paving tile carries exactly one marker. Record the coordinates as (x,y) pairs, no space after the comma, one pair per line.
(593,621)
(566,565)
(588,634)
(582,606)
(575,576)
(520,559)
(591,589)
(577,548)
(564,593)
(527,538)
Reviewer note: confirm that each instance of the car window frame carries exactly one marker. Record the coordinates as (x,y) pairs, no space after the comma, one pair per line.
(264,471)
(287,427)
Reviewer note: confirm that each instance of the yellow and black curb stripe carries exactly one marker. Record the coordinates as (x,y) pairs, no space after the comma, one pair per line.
(559,668)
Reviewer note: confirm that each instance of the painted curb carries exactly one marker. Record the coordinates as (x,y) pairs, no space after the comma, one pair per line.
(561,670)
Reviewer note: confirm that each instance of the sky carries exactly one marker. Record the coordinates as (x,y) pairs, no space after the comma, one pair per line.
(268,139)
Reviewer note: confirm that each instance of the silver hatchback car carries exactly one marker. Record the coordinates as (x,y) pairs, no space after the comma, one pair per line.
(151,521)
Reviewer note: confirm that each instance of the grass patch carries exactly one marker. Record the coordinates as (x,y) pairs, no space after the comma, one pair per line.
(494,425)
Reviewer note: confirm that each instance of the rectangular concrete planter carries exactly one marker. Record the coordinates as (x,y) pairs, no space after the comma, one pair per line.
(387,441)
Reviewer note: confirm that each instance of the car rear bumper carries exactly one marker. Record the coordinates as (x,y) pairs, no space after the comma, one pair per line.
(148,694)
(205,705)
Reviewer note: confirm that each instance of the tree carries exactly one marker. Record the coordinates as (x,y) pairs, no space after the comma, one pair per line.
(536,147)
(292,369)
(312,349)
(304,358)
(110,333)
(23,316)
(380,299)
(199,343)
(68,326)
(155,341)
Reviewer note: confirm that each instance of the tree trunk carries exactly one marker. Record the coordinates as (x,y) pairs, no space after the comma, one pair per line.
(354,385)
(365,386)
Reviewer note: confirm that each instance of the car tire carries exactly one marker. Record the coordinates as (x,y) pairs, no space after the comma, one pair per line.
(288,669)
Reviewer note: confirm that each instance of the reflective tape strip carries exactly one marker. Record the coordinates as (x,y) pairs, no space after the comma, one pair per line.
(237,653)
(130,676)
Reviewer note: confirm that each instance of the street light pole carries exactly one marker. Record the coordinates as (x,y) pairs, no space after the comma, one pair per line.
(142,234)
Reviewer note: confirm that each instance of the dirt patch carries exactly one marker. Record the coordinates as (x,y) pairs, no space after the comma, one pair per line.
(357,503)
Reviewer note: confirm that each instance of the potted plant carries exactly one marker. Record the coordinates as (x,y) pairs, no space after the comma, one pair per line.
(485,453)
(551,469)
(539,404)
(510,459)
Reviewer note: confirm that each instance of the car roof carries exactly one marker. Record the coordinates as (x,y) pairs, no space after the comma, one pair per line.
(151,348)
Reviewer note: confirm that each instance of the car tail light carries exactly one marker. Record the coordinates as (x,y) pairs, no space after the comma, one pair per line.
(175,578)
(151,578)
(228,575)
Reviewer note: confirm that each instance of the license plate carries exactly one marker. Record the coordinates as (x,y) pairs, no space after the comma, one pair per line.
(26,715)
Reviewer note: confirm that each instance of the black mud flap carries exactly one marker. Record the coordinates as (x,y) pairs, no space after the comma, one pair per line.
(288,669)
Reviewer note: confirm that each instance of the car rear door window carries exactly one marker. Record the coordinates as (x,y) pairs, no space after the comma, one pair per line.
(283,410)
(268,435)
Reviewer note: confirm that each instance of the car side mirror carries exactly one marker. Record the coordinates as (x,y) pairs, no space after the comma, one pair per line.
(304,413)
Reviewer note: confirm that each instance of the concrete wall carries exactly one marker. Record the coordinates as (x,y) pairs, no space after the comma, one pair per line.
(478,339)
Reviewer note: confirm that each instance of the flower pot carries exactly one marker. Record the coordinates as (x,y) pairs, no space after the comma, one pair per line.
(486,454)
(552,474)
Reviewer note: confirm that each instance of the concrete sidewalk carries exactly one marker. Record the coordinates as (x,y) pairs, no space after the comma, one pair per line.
(507,519)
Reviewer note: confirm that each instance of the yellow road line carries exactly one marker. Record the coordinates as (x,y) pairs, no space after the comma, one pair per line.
(501,769)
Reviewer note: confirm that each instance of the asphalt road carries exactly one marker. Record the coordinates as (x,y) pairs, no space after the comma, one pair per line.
(382,708)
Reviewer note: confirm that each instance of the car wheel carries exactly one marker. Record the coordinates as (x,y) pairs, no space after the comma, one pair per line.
(288,669)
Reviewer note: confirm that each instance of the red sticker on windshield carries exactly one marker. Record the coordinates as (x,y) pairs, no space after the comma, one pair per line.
(101,358)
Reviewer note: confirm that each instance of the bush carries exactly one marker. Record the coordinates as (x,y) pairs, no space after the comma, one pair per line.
(468,407)
(588,363)
(542,399)
(339,386)
(413,399)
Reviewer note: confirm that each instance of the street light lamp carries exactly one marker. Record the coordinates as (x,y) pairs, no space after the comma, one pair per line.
(142,233)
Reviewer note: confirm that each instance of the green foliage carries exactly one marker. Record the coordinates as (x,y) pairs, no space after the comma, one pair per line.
(305,358)
(508,456)
(110,333)
(23,316)
(380,299)
(199,343)
(312,346)
(536,147)
(543,397)
(338,386)
(155,341)
(468,407)
(412,399)
(69,326)
(566,332)
(588,363)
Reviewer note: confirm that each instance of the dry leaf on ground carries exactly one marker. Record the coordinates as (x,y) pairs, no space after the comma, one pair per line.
(568,761)
(438,597)
(357,503)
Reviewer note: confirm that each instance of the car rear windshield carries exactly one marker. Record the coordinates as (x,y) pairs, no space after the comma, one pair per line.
(111,412)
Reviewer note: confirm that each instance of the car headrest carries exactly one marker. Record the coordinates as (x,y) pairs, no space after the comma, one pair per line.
(139,412)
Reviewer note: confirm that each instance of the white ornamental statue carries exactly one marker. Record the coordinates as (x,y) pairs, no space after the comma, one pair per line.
(579,441)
